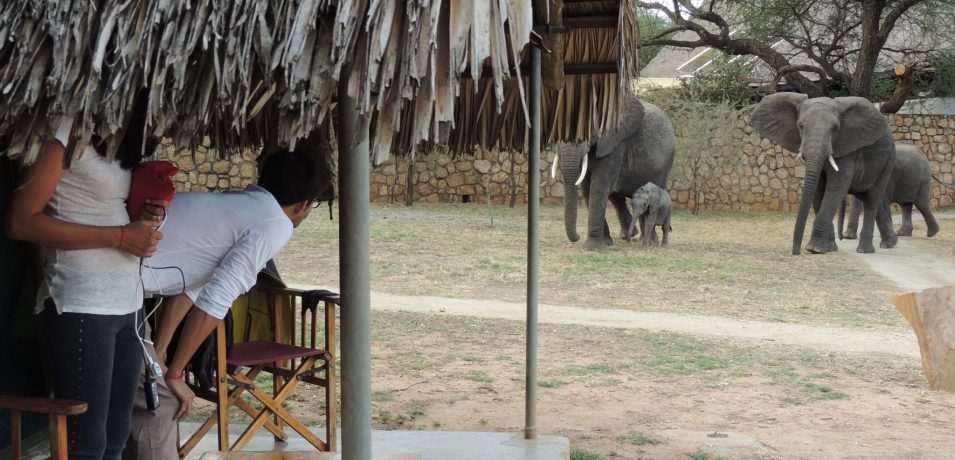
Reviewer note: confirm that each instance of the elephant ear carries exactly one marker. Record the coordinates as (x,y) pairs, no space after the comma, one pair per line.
(861,124)
(775,118)
(630,121)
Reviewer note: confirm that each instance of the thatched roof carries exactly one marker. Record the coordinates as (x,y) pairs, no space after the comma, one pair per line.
(239,71)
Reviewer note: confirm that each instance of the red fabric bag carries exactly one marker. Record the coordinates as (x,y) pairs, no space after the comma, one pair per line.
(152,180)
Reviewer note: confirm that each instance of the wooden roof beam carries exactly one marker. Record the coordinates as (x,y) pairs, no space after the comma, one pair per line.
(590,22)
(569,69)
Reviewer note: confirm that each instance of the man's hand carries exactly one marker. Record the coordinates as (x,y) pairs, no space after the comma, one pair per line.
(183,394)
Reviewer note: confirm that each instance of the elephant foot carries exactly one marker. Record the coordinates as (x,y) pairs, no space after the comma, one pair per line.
(819,246)
(595,244)
(816,249)
(850,235)
(889,243)
(865,248)
(932,230)
(905,230)
(833,247)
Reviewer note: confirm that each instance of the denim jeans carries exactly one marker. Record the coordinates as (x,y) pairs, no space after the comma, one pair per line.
(97,359)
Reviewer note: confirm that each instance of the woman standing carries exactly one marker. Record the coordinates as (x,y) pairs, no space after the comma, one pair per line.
(91,279)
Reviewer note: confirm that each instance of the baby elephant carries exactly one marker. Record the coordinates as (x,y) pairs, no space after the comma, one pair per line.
(653,206)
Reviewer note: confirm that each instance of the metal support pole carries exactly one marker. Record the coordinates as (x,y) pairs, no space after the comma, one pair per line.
(355,262)
(533,245)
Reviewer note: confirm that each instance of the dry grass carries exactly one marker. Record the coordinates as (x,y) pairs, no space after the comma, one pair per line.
(729,264)
(942,243)
(600,386)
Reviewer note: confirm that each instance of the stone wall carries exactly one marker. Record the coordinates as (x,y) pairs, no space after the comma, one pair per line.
(749,173)
(204,171)
(487,175)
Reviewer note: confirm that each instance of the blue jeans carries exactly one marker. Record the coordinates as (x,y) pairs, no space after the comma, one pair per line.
(97,359)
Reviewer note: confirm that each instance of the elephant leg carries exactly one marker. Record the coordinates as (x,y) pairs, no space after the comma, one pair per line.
(883,220)
(598,232)
(906,228)
(829,195)
(666,232)
(852,226)
(826,202)
(643,222)
(925,208)
(623,216)
(646,230)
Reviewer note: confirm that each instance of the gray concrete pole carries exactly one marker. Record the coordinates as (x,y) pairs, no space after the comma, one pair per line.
(533,245)
(355,263)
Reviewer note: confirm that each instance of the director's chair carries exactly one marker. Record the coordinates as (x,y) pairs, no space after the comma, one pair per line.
(290,361)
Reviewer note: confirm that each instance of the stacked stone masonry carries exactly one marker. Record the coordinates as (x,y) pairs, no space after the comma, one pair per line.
(764,178)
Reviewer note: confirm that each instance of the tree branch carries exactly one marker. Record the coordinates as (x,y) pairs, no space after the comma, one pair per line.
(901,92)
(786,70)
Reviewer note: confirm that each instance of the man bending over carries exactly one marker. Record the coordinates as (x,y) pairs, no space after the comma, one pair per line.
(213,248)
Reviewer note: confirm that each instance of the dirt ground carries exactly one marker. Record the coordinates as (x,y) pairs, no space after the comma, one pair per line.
(654,391)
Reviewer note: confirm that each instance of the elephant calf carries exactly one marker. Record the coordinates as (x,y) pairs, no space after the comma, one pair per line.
(652,206)
(910,185)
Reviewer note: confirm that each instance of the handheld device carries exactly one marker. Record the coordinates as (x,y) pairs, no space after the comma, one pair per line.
(151,389)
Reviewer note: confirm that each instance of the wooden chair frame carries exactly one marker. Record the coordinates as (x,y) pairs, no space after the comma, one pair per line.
(284,380)
(57,409)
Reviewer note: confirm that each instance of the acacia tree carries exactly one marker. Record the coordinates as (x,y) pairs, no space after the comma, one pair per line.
(839,40)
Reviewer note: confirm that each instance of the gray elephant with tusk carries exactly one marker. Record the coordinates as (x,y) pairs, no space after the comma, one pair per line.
(911,184)
(848,148)
(640,150)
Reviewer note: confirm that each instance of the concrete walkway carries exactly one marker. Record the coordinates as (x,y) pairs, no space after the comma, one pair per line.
(405,444)
(901,343)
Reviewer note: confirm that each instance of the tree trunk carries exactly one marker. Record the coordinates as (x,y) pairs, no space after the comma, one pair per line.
(871,44)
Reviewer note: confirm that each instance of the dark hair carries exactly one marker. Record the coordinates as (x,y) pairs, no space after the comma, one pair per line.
(132,147)
(293,177)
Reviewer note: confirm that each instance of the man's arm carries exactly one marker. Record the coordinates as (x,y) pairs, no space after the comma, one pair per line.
(174,310)
(199,325)
(197,328)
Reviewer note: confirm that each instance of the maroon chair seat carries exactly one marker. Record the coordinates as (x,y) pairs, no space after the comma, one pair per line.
(250,354)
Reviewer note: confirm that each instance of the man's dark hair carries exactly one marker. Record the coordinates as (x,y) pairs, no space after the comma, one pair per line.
(293,177)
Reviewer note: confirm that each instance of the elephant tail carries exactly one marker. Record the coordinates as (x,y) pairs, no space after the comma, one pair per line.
(940,181)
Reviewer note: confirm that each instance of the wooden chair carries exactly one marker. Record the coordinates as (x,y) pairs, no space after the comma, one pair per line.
(290,361)
(57,409)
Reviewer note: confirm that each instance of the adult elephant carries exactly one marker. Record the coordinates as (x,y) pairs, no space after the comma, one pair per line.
(848,148)
(911,184)
(640,150)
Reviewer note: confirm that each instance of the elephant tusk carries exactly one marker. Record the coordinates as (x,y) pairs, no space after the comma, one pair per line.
(583,171)
(832,161)
(553,167)
(799,156)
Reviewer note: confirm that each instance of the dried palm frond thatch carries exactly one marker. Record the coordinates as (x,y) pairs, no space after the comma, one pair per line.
(240,73)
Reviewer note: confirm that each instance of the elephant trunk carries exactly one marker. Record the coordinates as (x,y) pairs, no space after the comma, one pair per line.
(570,168)
(813,170)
